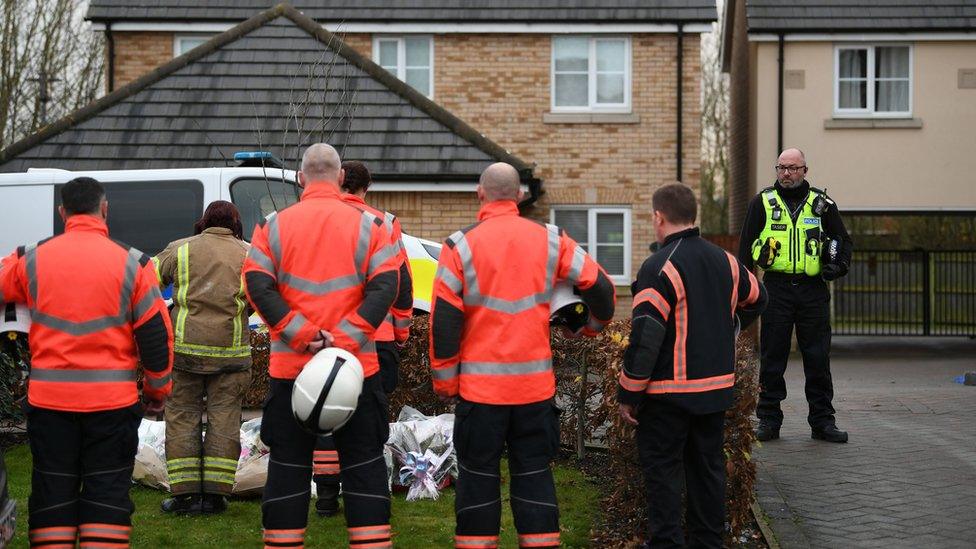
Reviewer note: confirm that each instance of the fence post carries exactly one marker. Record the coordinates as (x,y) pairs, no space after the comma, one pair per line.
(581,409)
(926,293)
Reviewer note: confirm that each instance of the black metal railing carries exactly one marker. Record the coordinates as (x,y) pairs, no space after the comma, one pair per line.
(917,292)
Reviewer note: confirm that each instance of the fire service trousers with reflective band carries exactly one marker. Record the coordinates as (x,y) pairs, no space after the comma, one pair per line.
(196,466)
(82,473)
(481,433)
(670,440)
(363,470)
(804,302)
(325,470)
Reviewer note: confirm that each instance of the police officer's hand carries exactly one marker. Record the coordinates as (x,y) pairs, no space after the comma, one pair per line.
(321,340)
(768,252)
(154,407)
(832,271)
(629,413)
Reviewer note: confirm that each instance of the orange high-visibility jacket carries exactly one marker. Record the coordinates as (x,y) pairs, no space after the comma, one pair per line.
(490,315)
(396,325)
(96,311)
(321,264)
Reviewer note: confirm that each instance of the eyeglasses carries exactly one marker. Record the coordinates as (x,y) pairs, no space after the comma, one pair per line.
(791,169)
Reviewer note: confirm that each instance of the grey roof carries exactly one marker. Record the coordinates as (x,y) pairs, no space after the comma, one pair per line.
(415,10)
(860,15)
(244,90)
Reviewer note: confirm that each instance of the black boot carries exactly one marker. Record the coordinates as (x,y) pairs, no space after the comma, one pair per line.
(830,433)
(214,504)
(327,504)
(767,431)
(185,504)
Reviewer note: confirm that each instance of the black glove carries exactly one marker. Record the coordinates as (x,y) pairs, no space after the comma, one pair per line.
(768,252)
(833,271)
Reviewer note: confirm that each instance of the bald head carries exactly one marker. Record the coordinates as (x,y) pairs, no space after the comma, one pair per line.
(500,181)
(321,162)
(792,155)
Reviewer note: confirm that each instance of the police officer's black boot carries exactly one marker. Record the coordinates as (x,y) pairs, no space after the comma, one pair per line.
(185,504)
(767,431)
(327,504)
(830,433)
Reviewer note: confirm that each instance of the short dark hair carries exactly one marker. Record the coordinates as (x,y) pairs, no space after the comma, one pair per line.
(82,195)
(676,202)
(357,178)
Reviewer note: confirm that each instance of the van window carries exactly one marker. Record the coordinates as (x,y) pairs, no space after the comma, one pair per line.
(258,197)
(147,214)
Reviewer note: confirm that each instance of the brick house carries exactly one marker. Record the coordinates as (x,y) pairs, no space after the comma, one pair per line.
(586,92)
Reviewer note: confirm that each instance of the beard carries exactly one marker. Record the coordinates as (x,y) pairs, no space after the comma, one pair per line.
(787,183)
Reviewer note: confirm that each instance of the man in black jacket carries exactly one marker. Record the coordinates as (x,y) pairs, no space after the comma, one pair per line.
(795,233)
(690,299)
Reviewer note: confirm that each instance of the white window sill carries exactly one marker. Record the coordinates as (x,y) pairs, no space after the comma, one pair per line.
(872,123)
(590,118)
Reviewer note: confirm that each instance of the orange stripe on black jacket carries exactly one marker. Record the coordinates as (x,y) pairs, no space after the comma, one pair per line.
(689,299)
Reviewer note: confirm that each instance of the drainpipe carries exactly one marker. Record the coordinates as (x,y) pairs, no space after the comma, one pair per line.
(779,102)
(110,43)
(680,101)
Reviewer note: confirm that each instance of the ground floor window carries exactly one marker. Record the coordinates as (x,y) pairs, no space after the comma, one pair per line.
(604,232)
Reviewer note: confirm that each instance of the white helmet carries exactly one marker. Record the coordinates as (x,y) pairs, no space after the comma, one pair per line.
(326,391)
(566,308)
(14,318)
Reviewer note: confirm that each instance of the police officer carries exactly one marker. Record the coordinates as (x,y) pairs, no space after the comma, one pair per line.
(311,300)
(794,232)
(83,402)
(690,299)
(490,346)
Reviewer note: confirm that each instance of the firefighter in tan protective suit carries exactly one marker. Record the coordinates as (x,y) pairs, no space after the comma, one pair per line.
(212,360)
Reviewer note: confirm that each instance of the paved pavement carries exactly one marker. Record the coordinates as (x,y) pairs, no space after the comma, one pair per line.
(907,478)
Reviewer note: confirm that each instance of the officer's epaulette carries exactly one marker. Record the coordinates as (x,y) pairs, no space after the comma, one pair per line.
(449,242)
(823,193)
(143,258)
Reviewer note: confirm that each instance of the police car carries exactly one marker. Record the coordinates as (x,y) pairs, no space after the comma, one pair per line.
(150,208)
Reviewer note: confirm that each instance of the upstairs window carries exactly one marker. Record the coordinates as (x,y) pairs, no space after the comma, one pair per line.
(409,58)
(873,81)
(590,74)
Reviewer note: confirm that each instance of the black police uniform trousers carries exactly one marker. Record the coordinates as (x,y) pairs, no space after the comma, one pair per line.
(801,301)
(359,442)
(531,434)
(678,449)
(82,474)
(389,358)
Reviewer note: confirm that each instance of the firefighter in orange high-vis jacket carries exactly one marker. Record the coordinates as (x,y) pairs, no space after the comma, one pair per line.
(690,299)
(96,314)
(490,347)
(389,336)
(323,273)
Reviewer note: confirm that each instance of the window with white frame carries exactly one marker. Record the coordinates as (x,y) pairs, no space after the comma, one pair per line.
(409,58)
(603,232)
(183,44)
(873,80)
(590,74)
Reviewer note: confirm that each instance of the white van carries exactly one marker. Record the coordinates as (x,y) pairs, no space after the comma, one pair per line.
(150,208)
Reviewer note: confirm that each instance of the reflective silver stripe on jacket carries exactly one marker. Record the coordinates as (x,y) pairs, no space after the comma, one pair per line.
(81,376)
(473,295)
(80,328)
(292,328)
(362,242)
(444,374)
(506,368)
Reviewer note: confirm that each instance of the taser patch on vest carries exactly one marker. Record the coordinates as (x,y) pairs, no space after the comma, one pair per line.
(777,227)
(811,220)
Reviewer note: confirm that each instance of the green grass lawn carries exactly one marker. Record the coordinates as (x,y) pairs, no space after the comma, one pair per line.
(418,524)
